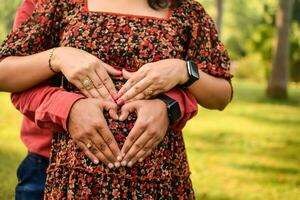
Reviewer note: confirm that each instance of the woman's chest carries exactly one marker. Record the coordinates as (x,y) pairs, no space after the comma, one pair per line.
(125,41)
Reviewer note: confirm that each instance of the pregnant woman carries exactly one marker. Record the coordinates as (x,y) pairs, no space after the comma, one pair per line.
(150,37)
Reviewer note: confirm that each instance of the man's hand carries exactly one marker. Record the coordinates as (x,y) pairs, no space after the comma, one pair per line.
(89,130)
(149,129)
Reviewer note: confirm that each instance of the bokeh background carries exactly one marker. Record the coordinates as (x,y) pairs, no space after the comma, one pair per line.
(251,150)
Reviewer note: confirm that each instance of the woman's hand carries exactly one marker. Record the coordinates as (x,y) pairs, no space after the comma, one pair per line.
(89,130)
(88,73)
(149,129)
(153,79)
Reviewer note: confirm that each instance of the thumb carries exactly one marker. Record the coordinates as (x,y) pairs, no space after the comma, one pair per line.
(127,74)
(112,71)
(126,109)
(112,108)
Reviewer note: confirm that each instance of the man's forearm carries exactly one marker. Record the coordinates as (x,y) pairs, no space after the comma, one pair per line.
(47,106)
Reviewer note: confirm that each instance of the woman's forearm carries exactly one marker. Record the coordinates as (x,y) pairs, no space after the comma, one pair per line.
(20,73)
(211,92)
(82,69)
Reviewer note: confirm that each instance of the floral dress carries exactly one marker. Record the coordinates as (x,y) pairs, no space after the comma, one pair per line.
(126,41)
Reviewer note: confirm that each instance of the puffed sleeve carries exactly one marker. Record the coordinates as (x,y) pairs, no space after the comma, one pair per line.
(204,47)
(39,33)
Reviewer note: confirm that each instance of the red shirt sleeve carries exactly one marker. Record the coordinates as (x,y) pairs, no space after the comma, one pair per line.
(47,106)
(24,12)
(187,103)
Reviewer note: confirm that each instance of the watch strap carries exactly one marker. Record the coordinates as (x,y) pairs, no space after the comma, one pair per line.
(173,108)
(193,73)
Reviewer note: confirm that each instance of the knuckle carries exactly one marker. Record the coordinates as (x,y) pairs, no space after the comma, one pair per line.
(152,134)
(145,93)
(102,147)
(105,80)
(143,124)
(72,76)
(131,138)
(136,88)
(88,132)
(99,85)
(138,146)
(76,139)
(94,150)
(108,141)
(158,82)
(126,96)
(94,62)
(79,136)
(146,68)
(95,125)
(145,148)
(130,82)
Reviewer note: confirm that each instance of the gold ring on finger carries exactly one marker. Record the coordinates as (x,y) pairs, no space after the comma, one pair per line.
(89,145)
(149,92)
(86,82)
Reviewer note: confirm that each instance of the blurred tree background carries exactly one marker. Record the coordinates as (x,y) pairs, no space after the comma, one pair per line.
(252,152)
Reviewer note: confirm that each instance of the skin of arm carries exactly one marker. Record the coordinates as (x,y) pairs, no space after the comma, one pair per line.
(216,96)
(75,64)
(14,78)
(210,92)
(21,73)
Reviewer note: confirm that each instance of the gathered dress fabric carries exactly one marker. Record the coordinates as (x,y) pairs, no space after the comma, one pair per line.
(124,41)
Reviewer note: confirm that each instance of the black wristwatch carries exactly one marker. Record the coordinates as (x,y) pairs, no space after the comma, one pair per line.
(193,73)
(173,108)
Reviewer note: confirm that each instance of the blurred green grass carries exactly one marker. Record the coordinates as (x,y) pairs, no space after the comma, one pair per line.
(250,151)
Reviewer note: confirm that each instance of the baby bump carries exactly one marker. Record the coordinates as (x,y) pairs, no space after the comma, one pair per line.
(66,153)
(161,162)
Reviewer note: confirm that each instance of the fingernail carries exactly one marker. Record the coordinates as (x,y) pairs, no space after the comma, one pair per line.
(119,158)
(121,102)
(141,160)
(130,164)
(110,165)
(117,164)
(123,163)
(96,162)
(114,96)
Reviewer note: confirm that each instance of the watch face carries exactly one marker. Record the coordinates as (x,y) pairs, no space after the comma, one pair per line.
(193,73)
(173,108)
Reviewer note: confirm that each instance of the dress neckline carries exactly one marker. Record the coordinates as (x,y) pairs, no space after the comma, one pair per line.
(169,14)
